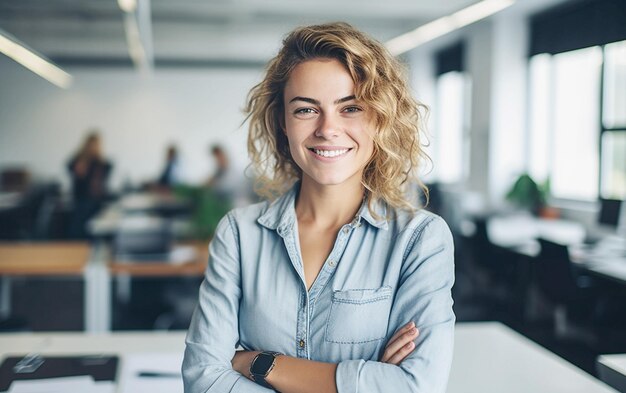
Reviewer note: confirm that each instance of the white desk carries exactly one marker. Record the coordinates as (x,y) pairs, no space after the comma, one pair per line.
(612,370)
(123,344)
(107,222)
(520,232)
(488,357)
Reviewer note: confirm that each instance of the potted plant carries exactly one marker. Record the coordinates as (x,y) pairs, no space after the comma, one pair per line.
(528,194)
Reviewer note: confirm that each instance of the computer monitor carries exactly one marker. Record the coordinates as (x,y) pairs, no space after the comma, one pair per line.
(610,212)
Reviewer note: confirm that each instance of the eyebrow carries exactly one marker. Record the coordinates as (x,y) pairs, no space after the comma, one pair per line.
(316,102)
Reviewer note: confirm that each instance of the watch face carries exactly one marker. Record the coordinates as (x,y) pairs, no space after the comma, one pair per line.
(262,364)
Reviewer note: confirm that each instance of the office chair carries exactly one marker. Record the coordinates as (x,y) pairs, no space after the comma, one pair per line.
(496,273)
(571,293)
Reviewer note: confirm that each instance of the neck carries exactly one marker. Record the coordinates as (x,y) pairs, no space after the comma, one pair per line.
(328,206)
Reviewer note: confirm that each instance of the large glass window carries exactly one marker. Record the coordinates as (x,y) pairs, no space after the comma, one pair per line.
(615,86)
(450,143)
(578,122)
(613,164)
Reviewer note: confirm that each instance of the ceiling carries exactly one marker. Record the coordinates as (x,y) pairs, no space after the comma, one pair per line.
(200,32)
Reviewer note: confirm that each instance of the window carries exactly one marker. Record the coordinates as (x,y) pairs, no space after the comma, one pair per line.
(450,143)
(578,122)
(613,148)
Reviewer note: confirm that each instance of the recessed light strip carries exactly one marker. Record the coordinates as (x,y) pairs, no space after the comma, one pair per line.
(446,24)
(38,64)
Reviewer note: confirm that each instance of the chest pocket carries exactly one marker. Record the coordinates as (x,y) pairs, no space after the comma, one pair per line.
(358,315)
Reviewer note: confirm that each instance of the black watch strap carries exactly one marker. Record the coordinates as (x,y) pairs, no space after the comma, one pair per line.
(260,372)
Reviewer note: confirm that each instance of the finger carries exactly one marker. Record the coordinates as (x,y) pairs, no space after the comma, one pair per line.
(405,337)
(400,331)
(399,343)
(401,354)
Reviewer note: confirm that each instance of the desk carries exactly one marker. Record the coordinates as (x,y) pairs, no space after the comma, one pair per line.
(123,344)
(78,259)
(488,357)
(45,259)
(191,263)
(612,370)
(192,267)
(107,222)
(520,232)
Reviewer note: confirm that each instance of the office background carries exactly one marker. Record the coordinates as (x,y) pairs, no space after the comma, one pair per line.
(532,96)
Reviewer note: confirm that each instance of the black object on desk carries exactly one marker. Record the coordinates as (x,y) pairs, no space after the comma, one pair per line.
(100,368)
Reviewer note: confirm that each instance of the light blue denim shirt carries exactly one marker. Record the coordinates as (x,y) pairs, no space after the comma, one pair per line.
(380,274)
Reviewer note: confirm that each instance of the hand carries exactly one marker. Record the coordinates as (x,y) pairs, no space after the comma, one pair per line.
(242,360)
(400,345)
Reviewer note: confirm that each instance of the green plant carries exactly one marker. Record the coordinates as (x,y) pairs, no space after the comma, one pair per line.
(528,194)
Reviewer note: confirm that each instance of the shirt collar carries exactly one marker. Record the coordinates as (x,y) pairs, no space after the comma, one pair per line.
(380,209)
(281,213)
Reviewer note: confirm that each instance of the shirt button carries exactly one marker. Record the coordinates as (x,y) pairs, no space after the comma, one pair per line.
(346,230)
(302,343)
(332,263)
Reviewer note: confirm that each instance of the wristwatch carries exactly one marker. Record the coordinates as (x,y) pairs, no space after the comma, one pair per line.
(261,366)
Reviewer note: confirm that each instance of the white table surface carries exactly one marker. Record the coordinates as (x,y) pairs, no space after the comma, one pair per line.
(520,233)
(489,357)
(612,369)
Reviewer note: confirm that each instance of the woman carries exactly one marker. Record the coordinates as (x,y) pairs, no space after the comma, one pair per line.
(89,172)
(323,286)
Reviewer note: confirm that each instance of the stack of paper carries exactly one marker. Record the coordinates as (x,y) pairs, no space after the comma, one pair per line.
(151,372)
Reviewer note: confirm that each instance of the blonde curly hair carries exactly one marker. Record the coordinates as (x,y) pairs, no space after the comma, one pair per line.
(380,84)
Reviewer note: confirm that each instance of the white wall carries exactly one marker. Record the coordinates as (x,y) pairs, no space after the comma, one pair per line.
(42,125)
(508,142)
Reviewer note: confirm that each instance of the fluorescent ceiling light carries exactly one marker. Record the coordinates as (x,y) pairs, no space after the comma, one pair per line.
(138,29)
(11,47)
(127,5)
(446,24)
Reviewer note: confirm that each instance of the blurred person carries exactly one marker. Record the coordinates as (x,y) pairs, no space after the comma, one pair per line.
(169,175)
(227,183)
(89,172)
(223,181)
(336,283)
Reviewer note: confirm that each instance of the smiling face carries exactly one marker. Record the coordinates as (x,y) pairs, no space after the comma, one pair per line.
(329,131)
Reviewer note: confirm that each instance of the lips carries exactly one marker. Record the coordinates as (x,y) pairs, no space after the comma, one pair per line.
(329,152)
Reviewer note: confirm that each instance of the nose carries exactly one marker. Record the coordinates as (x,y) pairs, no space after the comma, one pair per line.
(329,127)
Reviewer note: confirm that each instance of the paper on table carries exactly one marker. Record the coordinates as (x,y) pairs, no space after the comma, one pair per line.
(182,254)
(83,384)
(165,364)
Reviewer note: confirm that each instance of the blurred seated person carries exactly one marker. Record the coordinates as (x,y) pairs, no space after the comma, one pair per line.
(225,182)
(169,175)
(89,172)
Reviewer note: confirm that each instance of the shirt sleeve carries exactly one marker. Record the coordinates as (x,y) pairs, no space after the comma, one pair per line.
(214,330)
(423,296)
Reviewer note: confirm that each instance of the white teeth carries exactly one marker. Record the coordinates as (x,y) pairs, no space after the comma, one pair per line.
(330,153)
